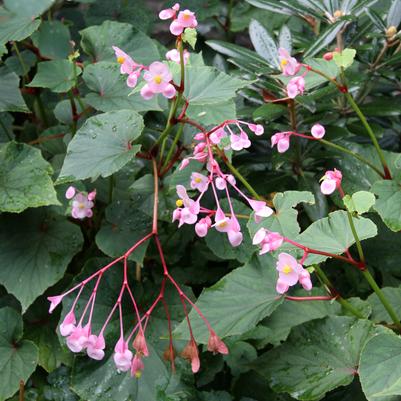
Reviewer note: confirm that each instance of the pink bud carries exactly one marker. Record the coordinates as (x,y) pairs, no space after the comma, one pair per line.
(68,324)
(95,347)
(137,366)
(220,183)
(140,344)
(54,301)
(328,56)
(190,353)
(202,226)
(318,131)
(200,147)
(92,195)
(257,129)
(183,164)
(215,344)
(200,136)
(69,194)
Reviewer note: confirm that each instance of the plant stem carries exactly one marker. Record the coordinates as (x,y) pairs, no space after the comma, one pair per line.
(351,101)
(353,154)
(369,278)
(21,60)
(247,185)
(343,302)
(372,282)
(173,145)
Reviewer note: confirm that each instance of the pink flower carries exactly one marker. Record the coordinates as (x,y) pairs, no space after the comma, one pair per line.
(78,339)
(189,213)
(95,347)
(234,233)
(257,129)
(169,13)
(199,182)
(261,210)
(282,140)
(69,194)
(289,270)
(92,195)
(81,206)
(216,136)
(215,344)
(239,142)
(269,241)
(137,366)
(190,353)
(174,55)
(331,181)
(220,183)
(318,131)
(158,79)
(221,221)
(289,65)
(140,344)
(128,66)
(184,163)
(185,19)
(54,301)
(295,87)
(202,226)
(68,324)
(122,356)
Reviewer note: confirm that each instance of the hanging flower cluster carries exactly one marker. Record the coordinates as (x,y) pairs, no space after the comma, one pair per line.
(184,19)
(81,338)
(230,134)
(81,202)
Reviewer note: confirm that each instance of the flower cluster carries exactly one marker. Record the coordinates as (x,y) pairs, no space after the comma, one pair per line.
(188,210)
(282,139)
(81,202)
(184,19)
(81,338)
(331,181)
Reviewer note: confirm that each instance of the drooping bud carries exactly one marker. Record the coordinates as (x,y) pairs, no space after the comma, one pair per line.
(216,345)
(190,352)
(140,344)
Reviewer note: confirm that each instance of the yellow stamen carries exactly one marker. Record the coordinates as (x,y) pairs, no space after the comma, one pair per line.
(287,269)
(81,206)
(338,14)
(198,180)
(179,202)
(186,15)
(138,374)
(222,224)
(157,79)
(120,59)
(284,62)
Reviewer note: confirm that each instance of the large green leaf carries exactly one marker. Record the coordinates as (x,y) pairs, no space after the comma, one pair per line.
(15,27)
(380,368)
(388,203)
(10,96)
(124,225)
(57,75)
(102,145)
(110,91)
(97,41)
(333,234)
(237,302)
(24,178)
(18,358)
(35,249)
(318,357)
(31,8)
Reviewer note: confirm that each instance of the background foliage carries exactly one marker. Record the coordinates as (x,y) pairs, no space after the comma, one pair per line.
(61,86)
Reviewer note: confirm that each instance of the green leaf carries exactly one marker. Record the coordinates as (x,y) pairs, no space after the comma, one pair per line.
(35,250)
(324,39)
(238,52)
(18,358)
(333,234)
(291,314)
(345,58)
(388,203)
(189,36)
(360,202)
(31,8)
(97,42)
(24,178)
(123,227)
(14,64)
(269,112)
(53,40)
(57,75)
(14,27)
(10,96)
(285,39)
(264,43)
(102,146)
(380,368)
(318,357)
(237,302)
(381,107)
(110,91)
(379,313)
(284,220)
